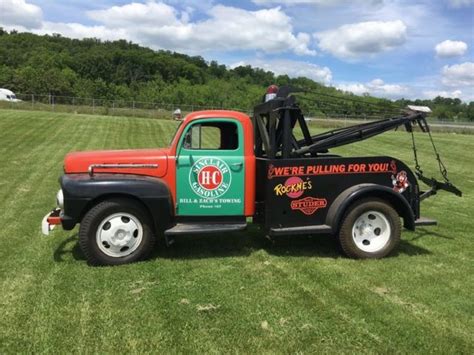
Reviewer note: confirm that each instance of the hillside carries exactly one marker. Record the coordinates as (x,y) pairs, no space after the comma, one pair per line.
(121,70)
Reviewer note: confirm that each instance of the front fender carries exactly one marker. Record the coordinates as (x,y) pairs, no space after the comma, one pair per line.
(349,196)
(82,191)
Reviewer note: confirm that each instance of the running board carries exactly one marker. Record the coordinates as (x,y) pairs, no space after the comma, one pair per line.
(316,229)
(423,221)
(204,228)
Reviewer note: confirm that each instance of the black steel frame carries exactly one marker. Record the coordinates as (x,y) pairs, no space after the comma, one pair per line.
(275,121)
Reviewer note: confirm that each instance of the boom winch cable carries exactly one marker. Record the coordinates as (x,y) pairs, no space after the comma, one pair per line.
(333,102)
(433,183)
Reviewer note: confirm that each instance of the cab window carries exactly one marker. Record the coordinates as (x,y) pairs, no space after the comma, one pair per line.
(212,136)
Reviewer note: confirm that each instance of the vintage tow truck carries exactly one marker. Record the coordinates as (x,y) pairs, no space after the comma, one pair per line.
(223,168)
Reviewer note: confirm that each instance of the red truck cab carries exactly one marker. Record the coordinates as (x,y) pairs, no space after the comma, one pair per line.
(219,144)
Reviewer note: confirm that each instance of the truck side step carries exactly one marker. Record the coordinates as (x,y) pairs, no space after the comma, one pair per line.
(205,228)
(423,221)
(316,229)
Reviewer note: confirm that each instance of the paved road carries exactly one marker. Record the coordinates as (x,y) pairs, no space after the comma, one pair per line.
(451,125)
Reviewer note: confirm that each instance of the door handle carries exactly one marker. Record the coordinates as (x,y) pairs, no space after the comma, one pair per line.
(237,164)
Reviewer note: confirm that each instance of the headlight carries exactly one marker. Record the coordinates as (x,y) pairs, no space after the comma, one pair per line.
(60,199)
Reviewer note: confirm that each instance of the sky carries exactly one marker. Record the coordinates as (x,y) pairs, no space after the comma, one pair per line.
(388,48)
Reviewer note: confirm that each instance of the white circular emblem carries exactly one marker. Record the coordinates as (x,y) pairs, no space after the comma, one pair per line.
(210,177)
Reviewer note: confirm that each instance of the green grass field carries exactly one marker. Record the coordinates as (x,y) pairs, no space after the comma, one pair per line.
(237,293)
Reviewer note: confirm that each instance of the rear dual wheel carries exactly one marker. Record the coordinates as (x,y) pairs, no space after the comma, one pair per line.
(115,232)
(370,229)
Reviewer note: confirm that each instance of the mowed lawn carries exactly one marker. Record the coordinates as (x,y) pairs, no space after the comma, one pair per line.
(238,293)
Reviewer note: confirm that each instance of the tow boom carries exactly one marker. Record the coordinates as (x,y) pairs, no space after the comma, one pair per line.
(342,136)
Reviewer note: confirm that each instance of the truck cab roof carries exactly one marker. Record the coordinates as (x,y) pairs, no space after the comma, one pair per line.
(239,116)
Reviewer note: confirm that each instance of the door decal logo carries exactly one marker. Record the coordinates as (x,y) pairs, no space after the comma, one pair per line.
(210,177)
(309,205)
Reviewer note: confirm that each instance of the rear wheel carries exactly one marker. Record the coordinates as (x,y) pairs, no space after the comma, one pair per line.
(370,229)
(115,232)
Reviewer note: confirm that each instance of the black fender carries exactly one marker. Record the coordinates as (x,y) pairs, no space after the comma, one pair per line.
(349,196)
(82,192)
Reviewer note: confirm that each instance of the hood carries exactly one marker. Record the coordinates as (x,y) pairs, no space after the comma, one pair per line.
(79,162)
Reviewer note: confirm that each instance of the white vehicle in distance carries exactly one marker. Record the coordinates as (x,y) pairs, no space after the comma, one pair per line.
(7,95)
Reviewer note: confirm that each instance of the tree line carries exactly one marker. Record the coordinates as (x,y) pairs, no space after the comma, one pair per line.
(122,70)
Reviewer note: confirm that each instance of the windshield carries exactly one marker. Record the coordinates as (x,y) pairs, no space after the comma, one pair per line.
(13,96)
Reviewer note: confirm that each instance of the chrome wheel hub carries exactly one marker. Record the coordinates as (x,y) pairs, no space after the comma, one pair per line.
(119,235)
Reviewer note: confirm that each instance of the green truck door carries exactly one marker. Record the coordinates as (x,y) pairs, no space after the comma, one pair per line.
(210,169)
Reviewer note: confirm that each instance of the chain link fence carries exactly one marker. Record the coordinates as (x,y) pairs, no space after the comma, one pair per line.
(104,107)
(141,109)
(163,110)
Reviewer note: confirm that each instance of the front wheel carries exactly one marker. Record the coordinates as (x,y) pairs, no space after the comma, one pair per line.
(115,232)
(370,229)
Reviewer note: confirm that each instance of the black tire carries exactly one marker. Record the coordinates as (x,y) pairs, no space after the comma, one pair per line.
(361,249)
(96,216)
